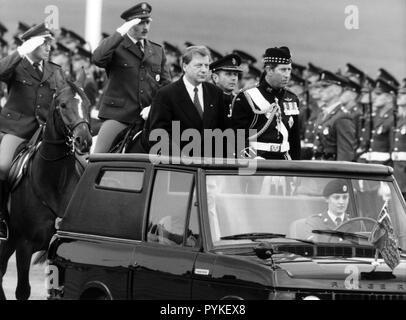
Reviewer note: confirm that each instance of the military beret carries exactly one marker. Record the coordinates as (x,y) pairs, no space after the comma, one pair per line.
(141,10)
(335,186)
(171,48)
(3,43)
(314,69)
(38,30)
(246,57)
(298,69)
(295,79)
(3,29)
(215,55)
(277,55)
(79,51)
(329,77)
(383,74)
(230,62)
(383,85)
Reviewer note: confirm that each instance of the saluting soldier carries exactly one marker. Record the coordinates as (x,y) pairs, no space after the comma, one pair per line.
(335,129)
(399,145)
(32,81)
(271,110)
(136,68)
(225,72)
(381,142)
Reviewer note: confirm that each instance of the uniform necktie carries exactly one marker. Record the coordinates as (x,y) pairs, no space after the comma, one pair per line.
(338,221)
(37,68)
(140,46)
(197,103)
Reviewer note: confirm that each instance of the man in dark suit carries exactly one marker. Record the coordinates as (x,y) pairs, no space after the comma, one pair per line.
(32,81)
(189,103)
(136,68)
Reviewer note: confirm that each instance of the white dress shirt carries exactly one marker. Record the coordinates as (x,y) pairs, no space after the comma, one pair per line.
(190,89)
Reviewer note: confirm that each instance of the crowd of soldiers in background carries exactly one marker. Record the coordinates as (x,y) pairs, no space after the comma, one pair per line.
(380,124)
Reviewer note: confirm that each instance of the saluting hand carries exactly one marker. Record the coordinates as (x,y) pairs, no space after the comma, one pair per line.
(123,29)
(30,45)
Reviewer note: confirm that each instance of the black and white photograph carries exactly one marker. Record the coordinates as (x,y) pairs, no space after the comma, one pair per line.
(203,150)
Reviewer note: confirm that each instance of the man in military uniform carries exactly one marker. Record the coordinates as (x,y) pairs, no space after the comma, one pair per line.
(32,81)
(399,145)
(136,68)
(271,110)
(383,98)
(225,73)
(334,128)
(337,196)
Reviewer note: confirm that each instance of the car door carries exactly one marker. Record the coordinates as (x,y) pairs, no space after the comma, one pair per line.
(163,262)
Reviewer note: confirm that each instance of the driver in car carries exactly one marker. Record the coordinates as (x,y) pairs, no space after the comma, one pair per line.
(337,197)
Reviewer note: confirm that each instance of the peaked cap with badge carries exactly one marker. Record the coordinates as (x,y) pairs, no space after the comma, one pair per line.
(230,62)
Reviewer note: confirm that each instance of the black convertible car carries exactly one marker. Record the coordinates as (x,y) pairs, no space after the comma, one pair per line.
(140,227)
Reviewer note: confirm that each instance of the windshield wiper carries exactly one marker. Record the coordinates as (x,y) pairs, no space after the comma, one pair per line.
(262,235)
(344,235)
(253,236)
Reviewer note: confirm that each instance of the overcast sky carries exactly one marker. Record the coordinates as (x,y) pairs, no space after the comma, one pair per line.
(314,30)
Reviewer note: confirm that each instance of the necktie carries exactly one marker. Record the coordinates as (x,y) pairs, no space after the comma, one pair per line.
(140,46)
(338,221)
(197,103)
(37,68)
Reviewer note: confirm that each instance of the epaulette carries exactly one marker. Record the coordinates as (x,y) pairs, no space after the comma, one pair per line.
(157,44)
(55,64)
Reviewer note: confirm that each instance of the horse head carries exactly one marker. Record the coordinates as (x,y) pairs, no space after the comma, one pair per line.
(72,106)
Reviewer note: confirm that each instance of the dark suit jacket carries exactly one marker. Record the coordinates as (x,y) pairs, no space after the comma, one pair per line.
(133,77)
(29,96)
(173,103)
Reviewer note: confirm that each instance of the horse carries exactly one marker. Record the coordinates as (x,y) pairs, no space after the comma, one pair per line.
(45,190)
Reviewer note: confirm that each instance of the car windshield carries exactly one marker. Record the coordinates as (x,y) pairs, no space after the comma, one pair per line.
(244,209)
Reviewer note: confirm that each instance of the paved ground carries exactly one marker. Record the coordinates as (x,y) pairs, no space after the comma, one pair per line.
(37,281)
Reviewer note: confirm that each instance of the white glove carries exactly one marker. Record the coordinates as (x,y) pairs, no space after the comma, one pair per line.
(145,112)
(127,26)
(30,45)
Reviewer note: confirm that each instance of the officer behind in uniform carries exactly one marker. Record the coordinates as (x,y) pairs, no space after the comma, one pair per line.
(270,109)
(399,145)
(136,68)
(225,72)
(32,81)
(337,197)
(334,128)
(383,100)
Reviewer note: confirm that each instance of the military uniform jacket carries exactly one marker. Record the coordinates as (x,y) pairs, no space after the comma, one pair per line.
(335,135)
(29,96)
(399,144)
(244,118)
(382,134)
(134,77)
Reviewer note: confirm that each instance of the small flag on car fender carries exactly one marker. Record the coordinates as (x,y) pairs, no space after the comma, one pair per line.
(384,239)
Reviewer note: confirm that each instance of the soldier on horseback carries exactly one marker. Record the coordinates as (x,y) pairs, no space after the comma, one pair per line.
(32,81)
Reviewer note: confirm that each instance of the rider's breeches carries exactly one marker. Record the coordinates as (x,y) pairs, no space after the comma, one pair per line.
(107,133)
(8,147)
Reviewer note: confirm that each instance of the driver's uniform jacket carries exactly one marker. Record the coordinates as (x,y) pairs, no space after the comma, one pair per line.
(29,95)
